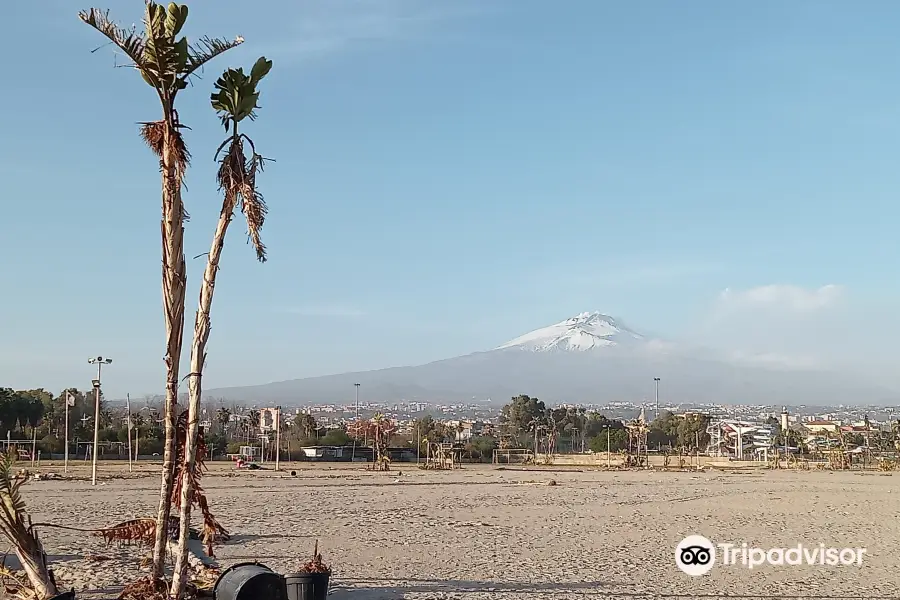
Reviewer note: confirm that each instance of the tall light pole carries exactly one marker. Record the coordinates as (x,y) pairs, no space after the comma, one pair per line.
(128,428)
(99,361)
(656,379)
(353,455)
(70,401)
(608,449)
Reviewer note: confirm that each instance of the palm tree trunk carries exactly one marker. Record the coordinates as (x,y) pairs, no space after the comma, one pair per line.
(173,284)
(195,388)
(35,566)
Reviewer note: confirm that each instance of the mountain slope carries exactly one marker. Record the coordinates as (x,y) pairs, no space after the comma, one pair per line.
(590,358)
(586,331)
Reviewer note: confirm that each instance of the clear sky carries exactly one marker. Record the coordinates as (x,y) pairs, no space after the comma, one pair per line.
(451,175)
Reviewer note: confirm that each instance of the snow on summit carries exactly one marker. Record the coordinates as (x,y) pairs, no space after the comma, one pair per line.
(586,331)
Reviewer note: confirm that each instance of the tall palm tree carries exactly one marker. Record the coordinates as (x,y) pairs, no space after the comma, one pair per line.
(166,63)
(307,425)
(223,416)
(252,422)
(235,99)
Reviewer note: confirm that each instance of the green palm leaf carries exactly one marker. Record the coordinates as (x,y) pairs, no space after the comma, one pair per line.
(207,49)
(129,41)
(164,60)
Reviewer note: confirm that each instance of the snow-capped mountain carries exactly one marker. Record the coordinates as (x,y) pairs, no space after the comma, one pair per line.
(589,358)
(586,331)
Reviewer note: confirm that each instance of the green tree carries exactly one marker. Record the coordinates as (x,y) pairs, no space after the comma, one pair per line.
(520,415)
(427,429)
(9,416)
(596,423)
(39,404)
(481,448)
(693,431)
(306,425)
(618,440)
(335,437)
(84,406)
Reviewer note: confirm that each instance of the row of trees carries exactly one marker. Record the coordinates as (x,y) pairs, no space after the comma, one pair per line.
(525,421)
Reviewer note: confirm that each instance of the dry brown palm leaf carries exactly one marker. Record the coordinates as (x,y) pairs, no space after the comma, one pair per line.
(153,134)
(136,531)
(145,589)
(213,532)
(14,585)
(236,99)
(237,180)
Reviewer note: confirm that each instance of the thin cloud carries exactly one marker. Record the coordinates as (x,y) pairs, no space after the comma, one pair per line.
(658,274)
(325,27)
(326,311)
(775,360)
(789,298)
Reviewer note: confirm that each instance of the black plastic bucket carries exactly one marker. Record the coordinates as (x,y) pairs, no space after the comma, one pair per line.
(250,581)
(307,586)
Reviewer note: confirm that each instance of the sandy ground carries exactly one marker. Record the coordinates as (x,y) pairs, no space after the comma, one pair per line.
(487,533)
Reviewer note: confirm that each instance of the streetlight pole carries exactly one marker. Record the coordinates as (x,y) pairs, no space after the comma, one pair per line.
(99,361)
(656,379)
(357,400)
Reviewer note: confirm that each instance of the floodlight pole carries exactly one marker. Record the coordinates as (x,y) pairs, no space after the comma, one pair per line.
(353,455)
(66,437)
(656,379)
(99,361)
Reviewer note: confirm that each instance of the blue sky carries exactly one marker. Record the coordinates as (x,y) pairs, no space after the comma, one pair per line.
(451,175)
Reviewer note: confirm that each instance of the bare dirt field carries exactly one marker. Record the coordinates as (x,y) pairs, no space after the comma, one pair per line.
(488,533)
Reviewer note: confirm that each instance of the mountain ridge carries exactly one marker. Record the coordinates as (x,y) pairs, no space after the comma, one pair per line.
(589,358)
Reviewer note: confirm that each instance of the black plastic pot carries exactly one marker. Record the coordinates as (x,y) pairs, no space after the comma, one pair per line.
(307,586)
(250,581)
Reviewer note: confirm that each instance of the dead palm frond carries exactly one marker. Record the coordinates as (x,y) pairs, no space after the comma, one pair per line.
(213,532)
(235,99)
(153,134)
